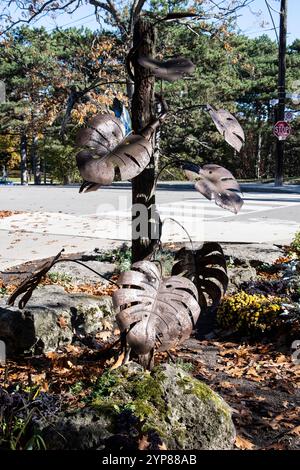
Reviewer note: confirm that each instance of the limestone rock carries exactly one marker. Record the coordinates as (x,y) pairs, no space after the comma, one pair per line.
(167,405)
(238,275)
(51,318)
(252,253)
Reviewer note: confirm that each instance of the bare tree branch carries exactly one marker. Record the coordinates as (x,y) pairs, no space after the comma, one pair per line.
(131,17)
(230,11)
(74,98)
(45,7)
(136,10)
(110,8)
(225,8)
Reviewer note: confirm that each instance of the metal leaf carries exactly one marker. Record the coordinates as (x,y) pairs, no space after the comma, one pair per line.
(87,187)
(109,153)
(30,283)
(155,309)
(170,70)
(228,126)
(206,267)
(215,182)
(177,15)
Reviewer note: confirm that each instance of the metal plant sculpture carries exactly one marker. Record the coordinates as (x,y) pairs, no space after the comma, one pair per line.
(108,154)
(228,126)
(31,282)
(108,151)
(170,70)
(215,182)
(155,313)
(206,267)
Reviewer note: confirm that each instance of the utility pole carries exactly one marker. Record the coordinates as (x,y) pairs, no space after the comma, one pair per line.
(281,90)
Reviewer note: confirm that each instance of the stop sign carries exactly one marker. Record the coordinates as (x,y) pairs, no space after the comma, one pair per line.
(282,130)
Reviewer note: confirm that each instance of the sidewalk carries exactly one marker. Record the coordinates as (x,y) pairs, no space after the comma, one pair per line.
(32,236)
(35,234)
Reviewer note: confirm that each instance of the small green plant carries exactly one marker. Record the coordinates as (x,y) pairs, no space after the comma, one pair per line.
(76,388)
(230,263)
(184,365)
(246,312)
(60,278)
(120,256)
(295,245)
(267,268)
(17,433)
(104,385)
(18,439)
(166,258)
(3,291)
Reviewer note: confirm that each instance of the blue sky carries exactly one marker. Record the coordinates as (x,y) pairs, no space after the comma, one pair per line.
(253,21)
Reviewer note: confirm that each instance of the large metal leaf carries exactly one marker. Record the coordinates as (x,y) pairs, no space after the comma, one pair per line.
(109,153)
(206,267)
(103,133)
(170,70)
(228,126)
(215,182)
(155,310)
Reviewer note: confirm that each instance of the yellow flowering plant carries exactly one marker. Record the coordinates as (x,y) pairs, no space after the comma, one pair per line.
(252,312)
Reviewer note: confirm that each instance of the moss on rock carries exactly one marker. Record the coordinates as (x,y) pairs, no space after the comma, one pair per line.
(185,412)
(167,405)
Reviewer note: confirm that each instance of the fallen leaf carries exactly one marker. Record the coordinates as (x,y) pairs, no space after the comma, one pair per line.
(162,446)
(104,335)
(143,443)
(243,443)
(38,378)
(295,431)
(281,359)
(62,322)
(276,446)
(118,362)
(52,355)
(226,385)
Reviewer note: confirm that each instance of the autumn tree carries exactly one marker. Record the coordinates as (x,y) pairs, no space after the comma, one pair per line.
(52,78)
(136,29)
(9,153)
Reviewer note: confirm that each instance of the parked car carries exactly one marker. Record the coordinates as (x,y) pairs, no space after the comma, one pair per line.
(6,182)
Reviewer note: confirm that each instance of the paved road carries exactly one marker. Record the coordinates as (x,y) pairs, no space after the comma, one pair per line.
(59,216)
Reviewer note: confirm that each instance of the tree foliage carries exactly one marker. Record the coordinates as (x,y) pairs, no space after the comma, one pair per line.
(58,79)
(239,74)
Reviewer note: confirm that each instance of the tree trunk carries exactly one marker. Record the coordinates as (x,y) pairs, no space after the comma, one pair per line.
(4,172)
(35,161)
(23,166)
(258,154)
(66,179)
(45,169)
(142,107)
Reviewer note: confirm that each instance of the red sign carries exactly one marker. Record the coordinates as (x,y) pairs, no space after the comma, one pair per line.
(282,130)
